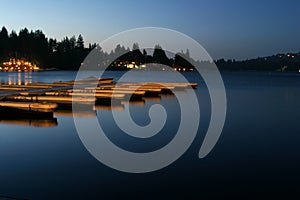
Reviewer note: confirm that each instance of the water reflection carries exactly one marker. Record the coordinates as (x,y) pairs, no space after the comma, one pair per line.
(31,122)
(70,113)
(18,78)
(137,102)
(119,107)
(153,99)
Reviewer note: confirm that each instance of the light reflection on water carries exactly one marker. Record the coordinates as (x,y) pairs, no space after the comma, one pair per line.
(257,154)
(17,78)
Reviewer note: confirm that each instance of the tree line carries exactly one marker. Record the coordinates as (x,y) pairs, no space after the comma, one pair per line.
(69,54)
(141,57)
(34,46)
(278,62)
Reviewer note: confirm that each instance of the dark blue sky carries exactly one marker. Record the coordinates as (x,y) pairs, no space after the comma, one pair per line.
(229,29)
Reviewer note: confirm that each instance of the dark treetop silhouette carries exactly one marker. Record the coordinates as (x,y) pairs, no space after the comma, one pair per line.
(69,53)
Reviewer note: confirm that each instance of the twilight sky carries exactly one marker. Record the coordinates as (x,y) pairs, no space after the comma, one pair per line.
(225,28)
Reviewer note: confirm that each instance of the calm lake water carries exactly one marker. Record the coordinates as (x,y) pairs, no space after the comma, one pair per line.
(257,155)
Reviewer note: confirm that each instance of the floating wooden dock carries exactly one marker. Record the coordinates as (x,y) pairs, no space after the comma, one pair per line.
(43,107)
(17,113)
(58,99)
(40,100)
